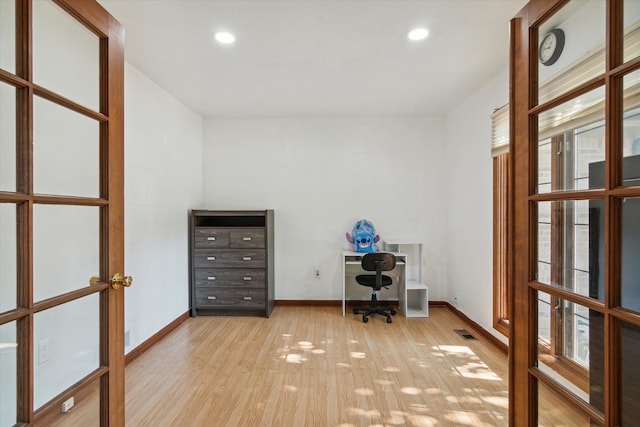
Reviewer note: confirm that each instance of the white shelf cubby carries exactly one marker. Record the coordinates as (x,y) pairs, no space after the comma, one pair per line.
(413,294)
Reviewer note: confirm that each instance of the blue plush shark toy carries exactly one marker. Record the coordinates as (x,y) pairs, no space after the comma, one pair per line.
(363,237)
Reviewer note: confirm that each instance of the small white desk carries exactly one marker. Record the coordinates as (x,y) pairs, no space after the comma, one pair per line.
(353,260)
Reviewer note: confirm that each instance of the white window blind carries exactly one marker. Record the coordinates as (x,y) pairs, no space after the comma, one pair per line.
(500,131)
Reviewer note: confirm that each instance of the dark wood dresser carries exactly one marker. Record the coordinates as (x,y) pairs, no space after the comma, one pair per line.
(231,262)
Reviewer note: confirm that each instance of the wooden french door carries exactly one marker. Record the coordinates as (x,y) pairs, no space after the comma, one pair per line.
(61,214)
(575,272)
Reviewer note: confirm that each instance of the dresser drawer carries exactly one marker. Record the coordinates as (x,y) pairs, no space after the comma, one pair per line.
(229,298)
(208,237)
(237,278)
(226,258)
(246,238)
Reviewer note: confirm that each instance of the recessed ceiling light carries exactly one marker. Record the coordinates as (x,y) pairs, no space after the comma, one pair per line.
(418,34)
(225,37)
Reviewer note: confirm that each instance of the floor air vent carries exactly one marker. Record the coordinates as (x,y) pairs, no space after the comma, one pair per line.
(464,334)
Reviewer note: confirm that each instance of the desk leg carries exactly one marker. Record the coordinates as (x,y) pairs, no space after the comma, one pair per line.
(344,261)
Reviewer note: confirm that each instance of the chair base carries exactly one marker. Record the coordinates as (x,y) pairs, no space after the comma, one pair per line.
(375,309)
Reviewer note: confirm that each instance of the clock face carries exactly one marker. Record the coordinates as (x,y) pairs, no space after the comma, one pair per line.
(547,47)
(551,47)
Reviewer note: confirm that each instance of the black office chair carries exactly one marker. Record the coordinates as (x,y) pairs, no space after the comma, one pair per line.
(378,262)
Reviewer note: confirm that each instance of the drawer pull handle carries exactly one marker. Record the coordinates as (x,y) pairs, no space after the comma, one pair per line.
(246,238)
(211,238)
(211,278)
(246,258)
(211,258)
(247,277)
(247,298)
(212,298)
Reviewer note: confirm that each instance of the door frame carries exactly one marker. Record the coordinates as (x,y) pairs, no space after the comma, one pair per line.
(110,372)
(524,376)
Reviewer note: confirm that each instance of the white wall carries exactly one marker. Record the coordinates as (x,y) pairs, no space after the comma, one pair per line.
(163,180)
(469,203)
(321,175)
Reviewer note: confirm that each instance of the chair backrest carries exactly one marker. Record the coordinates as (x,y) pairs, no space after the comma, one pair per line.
(386,261)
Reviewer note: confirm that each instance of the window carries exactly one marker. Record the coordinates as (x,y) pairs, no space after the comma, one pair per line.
(500,154)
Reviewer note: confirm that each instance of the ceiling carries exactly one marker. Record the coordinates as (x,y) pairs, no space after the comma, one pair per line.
(302,58)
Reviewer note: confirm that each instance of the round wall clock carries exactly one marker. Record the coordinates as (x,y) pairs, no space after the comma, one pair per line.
(551,47)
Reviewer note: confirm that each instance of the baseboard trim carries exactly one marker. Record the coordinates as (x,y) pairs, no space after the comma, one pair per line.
(338,303)
(438,304)
(479,329)
(146,345)
(329,303)
(308,303)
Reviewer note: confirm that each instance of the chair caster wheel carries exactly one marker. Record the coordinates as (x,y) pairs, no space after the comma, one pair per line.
(365,319)
(393,313)
(355,311)
(389,320)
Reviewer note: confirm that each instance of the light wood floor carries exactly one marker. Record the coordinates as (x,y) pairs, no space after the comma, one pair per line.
(309,366)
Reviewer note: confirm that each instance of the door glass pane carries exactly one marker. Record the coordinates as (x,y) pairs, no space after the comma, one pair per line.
(86,409)
(66,248)
(569,255)
(66,151)
(566,344)
(544,319)
(66,343)
(9,374)
(7,137)
(544,166)
(543,270)
(631,29)
(554,412)
(630,373)
(8,36)
(575,330)
(631,130)
(588,151)
(630,259)
(571,139)
(66,56)
(8,257)
(571,47)
(573,321)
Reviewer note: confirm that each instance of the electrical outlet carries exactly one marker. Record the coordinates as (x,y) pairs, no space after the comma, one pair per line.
(44,350)
(68,404)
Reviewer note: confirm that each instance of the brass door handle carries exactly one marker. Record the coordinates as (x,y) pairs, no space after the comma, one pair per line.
(119,280)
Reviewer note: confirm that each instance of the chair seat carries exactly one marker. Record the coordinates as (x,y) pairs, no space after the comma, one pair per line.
(370,280)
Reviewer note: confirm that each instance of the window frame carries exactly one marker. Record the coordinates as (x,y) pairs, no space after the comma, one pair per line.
(501,220)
